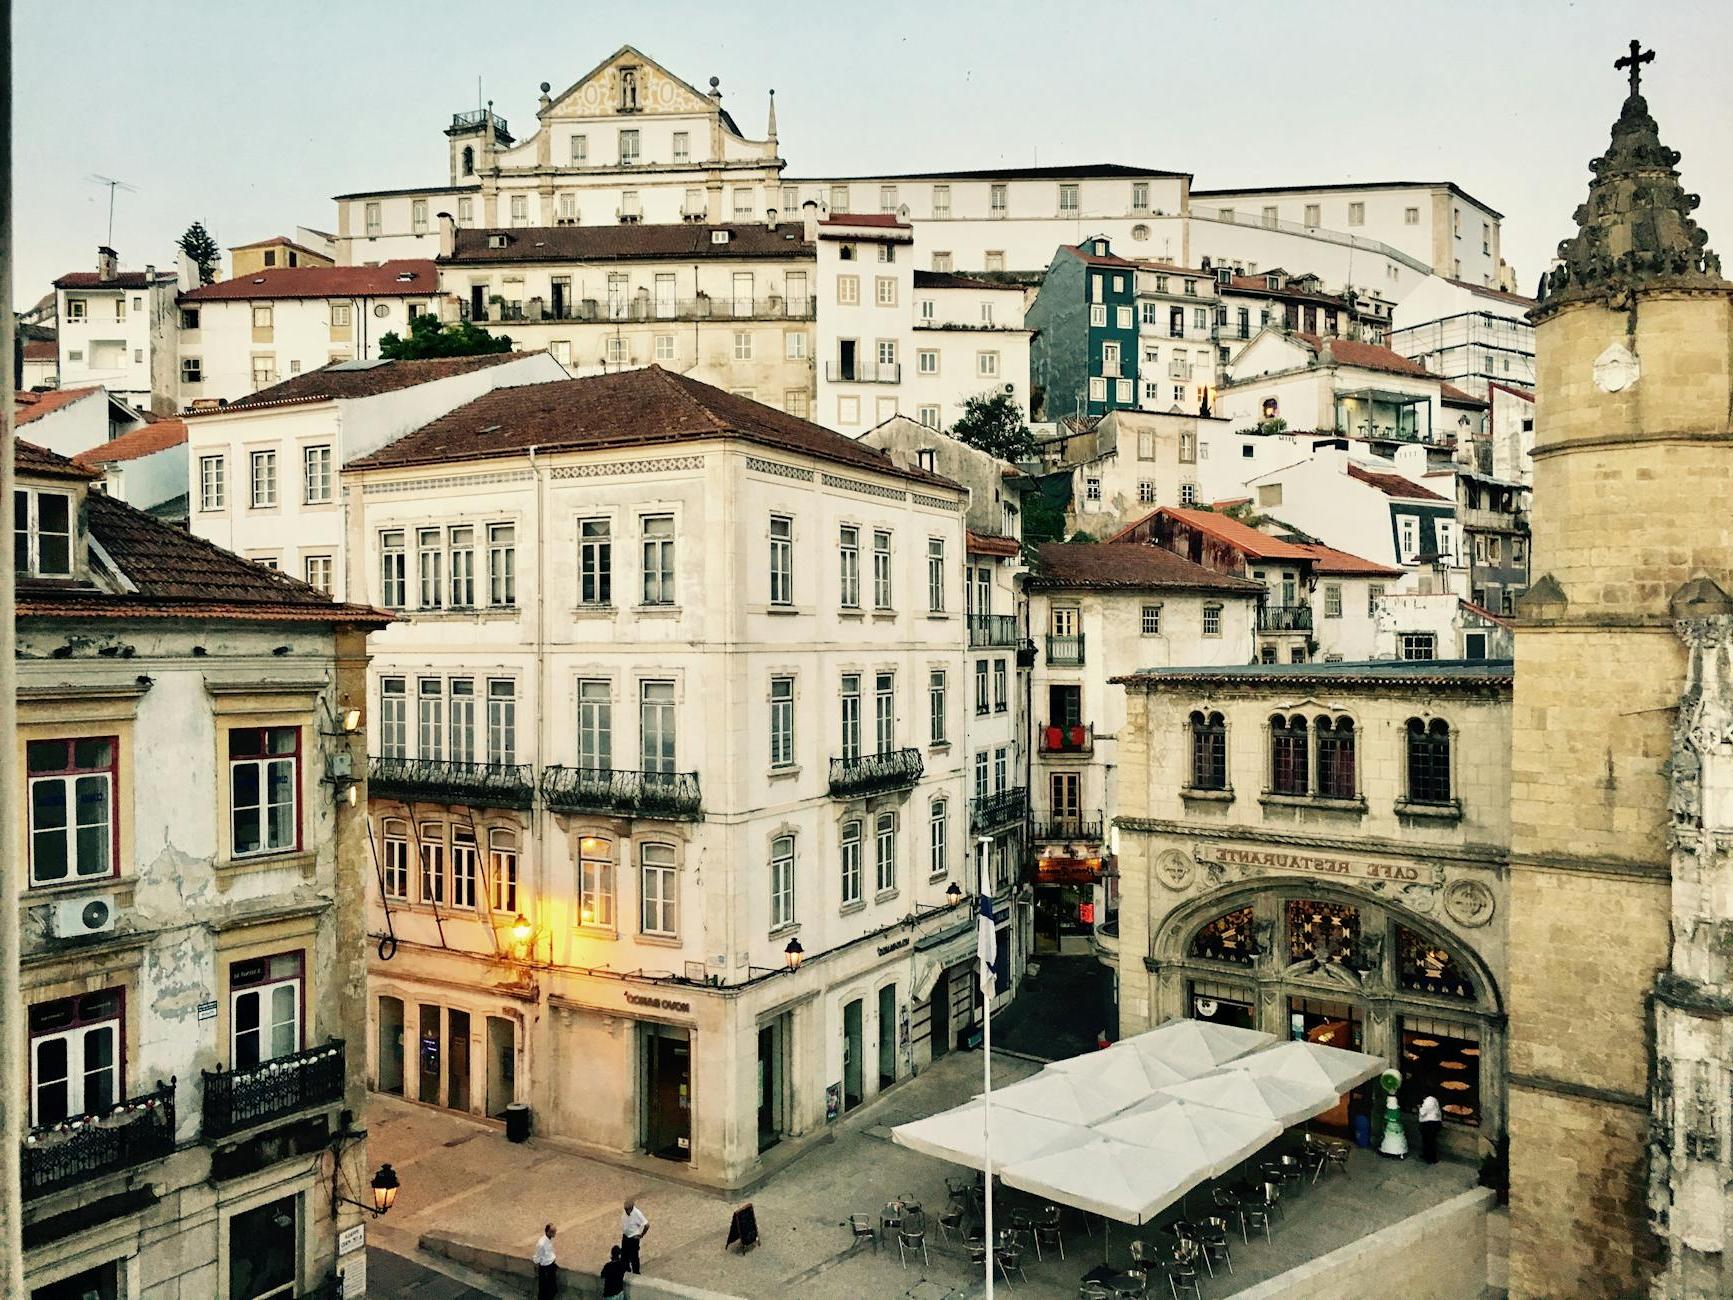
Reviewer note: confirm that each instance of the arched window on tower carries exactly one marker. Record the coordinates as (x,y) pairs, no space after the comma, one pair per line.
(1336,758)
(1429,761)
(1209,751)
(468,160)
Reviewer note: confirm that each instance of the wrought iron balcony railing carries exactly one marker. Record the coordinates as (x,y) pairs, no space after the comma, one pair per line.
(622,792)
(1068,738)
(271,1090)
(84,1147)
(1065,651)
(1285,618)
(895,769)
(993,629)
(1069,828)
(998,810)
(488,785)
(863,372)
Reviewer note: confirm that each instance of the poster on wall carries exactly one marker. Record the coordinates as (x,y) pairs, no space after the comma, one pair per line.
(832,1102)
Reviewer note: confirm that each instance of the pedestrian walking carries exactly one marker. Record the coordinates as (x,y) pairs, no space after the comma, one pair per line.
(634,1227)
(614,1273)
(547,1274)
(1431,1122)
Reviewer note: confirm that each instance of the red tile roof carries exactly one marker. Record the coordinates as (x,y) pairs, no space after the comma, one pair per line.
(1513,390)
(1457,397)
(685,241)
(1484,291)
(629,408)
(1393,485)
(1097,259)
(1126,566)
(330,383)
(1486,613)
(866,219)
(1258,284)
(1327,562)
(949,280)
(33,406)
(1225,528)
(121,280)
(28,458)
(146,440)
(1366,356)
(981,544)
(40,350)
(383,281)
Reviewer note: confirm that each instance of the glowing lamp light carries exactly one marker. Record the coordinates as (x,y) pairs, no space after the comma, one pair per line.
(521,929)
(953,894)
(384,1189)
(793,955)
(351,720)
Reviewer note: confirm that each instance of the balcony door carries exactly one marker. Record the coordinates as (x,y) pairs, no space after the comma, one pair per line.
(75,1056)
(264,1249)
(1064,705)
(847,356)
(265,997)
(665,297)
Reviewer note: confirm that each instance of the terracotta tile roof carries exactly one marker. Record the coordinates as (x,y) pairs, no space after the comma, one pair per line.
(1486,613)
(1393,485)
(683,241)
(866,219)
(949,280)
(1257,284)
(1224,528)
(629,408)
(28,458)
(121,280)
(981,544)
(1484,291)
(146,440)
(1127,566)
(1458,397)
(1097,259)
(1327,561)
(33,406)
(329,383)
(382,281)
(1366,356)
(40,349)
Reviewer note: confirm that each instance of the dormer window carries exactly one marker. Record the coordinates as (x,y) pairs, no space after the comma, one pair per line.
(42,533)
(498,241)
(719,236)
(1272,282)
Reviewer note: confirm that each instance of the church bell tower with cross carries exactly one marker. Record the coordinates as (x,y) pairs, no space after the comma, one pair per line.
(1620,1043)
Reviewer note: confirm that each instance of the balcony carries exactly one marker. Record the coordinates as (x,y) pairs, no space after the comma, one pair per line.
(863,372)
(1285,618)
(895,769)
(476,117)
(1070,828)
(87,1147)
(993,630)
(1065,651)
(1074,738)
(623,792)
(486,785)
(997,811)
(236,1100)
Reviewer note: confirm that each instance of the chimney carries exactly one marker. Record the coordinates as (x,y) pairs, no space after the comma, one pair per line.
(107,264)
(809,218)
(447,234)
(149,275)
(770,218)
(1326,353)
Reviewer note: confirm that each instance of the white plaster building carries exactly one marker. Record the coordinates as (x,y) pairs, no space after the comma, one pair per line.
(70,420)
(1176,330)
(145,467)
(1471,335)
(117,330)
(968,339)
(190,908)
(262,472)
(239,336)
(697,712)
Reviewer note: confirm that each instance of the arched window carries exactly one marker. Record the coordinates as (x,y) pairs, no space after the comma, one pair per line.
(468,161)
(1429,761)
(595,881)
(1427,966)
(1140,231)
(1336,758)
(781,881)
(1288,767)
(851,861)
(502,851)
(394,858)
(658,890)
(1230,937)
(1321,931)
(1209,751)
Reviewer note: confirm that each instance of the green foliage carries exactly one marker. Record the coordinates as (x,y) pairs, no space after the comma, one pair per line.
(428,338)
(993,422)
(1081,536)
(201,251)
(1266,427)
(1043,519)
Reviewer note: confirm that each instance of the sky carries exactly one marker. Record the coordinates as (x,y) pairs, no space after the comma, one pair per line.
(249,116)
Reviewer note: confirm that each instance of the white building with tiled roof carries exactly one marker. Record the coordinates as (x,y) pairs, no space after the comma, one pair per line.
(117,329)
(1472,335)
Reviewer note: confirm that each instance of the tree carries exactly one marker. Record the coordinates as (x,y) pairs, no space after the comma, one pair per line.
(428,338)
(202,251)
(993,423)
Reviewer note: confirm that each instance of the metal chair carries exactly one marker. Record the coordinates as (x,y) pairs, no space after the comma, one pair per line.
(1010,1256)
(913,1236)
(1089,1289)
(890,1219)
(1212,1242)
(977,1250)
(1182,1276)
(951,1220)
(1136,1288)
(1292,1171)
(1336,1156)
(1256,1211)
(1047,1226)
(861,1225)
(1143,1258)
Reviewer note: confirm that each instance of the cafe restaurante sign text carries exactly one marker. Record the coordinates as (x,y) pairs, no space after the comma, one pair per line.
(1311,864)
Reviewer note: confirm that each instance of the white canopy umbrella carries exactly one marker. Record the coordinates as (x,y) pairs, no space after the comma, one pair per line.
(1121,1070)
(1069,1096)
(1107,1177)
(1284,1101)
(1182,1133)
(1303,1062)
(1194,1047)
(957,1135)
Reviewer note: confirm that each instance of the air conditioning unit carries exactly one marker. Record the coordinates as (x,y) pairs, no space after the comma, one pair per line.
(74,917)
(1010,388)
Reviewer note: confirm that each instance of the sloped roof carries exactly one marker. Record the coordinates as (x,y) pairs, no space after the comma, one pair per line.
(686,240)
(338,380)
(146,440)
(120,280)
(1374,674)
(1366,356)
(1126,566)
(1225,528)
(1392,485)
(387,280)
(33,406)
(1097,259)
(950,280)
(629,408)
(28,458)
(982,544)
(41,349)
(888,219)
(1485,291)
(1328,562)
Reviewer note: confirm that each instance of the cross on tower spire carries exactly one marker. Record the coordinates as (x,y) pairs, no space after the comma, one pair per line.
(1635,61)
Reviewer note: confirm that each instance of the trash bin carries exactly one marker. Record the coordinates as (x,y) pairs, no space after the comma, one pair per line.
(517,1122)
(1362,1129)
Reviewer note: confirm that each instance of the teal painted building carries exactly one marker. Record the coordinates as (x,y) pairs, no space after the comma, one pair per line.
(1083,357)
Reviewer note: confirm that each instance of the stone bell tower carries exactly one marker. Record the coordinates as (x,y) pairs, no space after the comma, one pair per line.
(1621,925)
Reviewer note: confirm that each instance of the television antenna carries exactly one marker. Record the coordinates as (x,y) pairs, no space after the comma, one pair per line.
(112,185)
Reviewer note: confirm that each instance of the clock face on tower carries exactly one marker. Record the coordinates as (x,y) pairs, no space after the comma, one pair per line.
(1616,369)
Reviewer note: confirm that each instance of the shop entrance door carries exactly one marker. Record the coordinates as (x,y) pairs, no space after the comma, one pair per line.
(772,1051)
(391,1045)
(428,1086)
(852,1093)
(668,1092)
(501,1065)
(457,1060)
(939,1015)
(887,1036)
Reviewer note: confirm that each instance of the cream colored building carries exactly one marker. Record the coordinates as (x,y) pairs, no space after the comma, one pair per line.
(117,329)
(669,796)
(191,908)
(274,254)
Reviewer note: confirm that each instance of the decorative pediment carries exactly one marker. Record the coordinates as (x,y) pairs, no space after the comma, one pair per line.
(627,84)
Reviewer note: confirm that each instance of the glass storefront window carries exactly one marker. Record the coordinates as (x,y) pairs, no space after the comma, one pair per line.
(1322,932)
(1443,1056)
(1428,967)
(1229,937)
(1222,1004)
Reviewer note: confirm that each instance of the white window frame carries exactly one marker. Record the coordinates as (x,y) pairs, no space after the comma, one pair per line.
(782,862)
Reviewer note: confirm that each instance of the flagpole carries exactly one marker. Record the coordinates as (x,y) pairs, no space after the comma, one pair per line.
(986,946)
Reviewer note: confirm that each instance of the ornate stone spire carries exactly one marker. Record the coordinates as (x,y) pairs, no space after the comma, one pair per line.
(1636,230)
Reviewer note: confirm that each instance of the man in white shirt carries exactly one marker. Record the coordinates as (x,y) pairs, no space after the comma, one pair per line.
(547,1275)
(1431,1119)
(634,1227)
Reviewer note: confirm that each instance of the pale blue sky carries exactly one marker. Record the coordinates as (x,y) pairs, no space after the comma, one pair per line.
(249,115)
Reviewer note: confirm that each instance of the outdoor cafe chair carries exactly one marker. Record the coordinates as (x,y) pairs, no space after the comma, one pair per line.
(951,1220)
(1010,1256)
(1255,1210)
(1316,1155)
(1143,1258)
(861,1225)
(1292,1170)
(977,1250)
(912,1236)
(1047,1226)
(1090,1289)
(1336,1156)
(1212,1240)
(1182,1276)
(891,1217)
(1129,1286)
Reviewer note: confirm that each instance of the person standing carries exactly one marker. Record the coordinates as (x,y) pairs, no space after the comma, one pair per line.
(1431,1119)
(634,1227)
(614,1273)
(547,1274)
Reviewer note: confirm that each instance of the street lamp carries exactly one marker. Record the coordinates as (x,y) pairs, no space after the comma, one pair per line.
(792,955)
(521,929)
(384,1189)
(384,1185)
(953,894)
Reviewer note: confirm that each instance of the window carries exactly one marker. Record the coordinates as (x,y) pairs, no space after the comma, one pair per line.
(851,874)
(847,290)
(743,203)
(1001,768)
(981,697)
(595,562)
(393,570)
(76,1049)
(1092,489)
(595,882)
(502,564)
(265,1008)
(430,717)
(658,559)
(394,859)
(192,371)
(1140,196)
(936,575)
(264,465)
(1332,600)
(839,199)
(850,717)
(682,146)
(1356,214)
(1001,693)
(928,415)
(1123,318)
(393,717)
(1098,315)
(502,861)
(74,832)
(316,570)
(1110,359)
(418,216)
(937,866)
(1336,758)
(501,720)
(580,149)
(370,219)
(1313,215)
(462,540)
(885,857)
(994,259)
(987,364)
(848,560)
(1151,620)
(431,838)
(941,203)
(1374,593)
(264,789)
(76,309)
(658,890)
(462,715)
(781,560)
(465,865)
(927,361)
(781,881)
(1486,237)
(595,725)
(885,712)
(1289,769)
(1209,751)
(782,722)
(1068,198)
(1418,645)
(656,726)
(261,316)
(1429,761)
(429,567)
(885,291)
(1411,216)
(996,200)
(936,706)
(981,787)
(881,570)
(340,315)
(628,147)
(42,533)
